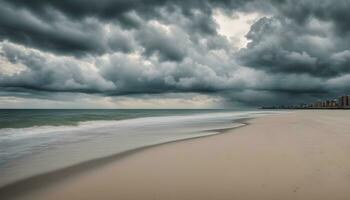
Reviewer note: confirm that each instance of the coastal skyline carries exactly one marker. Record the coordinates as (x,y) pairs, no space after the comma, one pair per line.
(342,102)
(172,54)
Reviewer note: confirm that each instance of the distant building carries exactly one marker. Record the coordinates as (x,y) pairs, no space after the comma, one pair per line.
(318,104)
(334,103)
(342,102)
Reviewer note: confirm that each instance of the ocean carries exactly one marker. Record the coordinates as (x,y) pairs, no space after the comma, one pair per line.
(34,142)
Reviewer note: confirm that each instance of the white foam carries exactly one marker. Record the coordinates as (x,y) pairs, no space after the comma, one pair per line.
(22,133)
(41,149)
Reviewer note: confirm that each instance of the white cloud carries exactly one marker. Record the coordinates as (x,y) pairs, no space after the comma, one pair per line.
(235,27)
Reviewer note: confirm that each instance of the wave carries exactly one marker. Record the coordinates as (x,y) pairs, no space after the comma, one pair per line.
(28,151)
(18,133)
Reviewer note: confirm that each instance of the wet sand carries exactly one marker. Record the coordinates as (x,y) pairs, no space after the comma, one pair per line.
(299,155)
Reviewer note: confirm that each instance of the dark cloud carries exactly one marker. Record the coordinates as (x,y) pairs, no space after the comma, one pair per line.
(60,35)
(44,73)
(169,47)
(282,45)
(112,9)
(326,10)
(299,52)
(77,26)
(117,74)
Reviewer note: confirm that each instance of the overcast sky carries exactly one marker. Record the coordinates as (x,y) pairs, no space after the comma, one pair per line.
(172,54)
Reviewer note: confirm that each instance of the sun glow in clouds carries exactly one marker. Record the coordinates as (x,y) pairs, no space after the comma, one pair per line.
(236,27)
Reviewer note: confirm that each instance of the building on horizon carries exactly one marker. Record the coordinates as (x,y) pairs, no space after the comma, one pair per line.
(342,102)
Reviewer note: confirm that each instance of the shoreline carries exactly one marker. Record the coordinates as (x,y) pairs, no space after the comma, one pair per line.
(44,180)
(298,155)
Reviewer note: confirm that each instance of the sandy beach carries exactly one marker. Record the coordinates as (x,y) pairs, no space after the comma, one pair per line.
(299,155)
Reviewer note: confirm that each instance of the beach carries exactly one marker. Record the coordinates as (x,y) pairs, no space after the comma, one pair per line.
(296,155)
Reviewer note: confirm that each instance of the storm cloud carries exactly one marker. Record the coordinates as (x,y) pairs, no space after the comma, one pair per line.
(297,51)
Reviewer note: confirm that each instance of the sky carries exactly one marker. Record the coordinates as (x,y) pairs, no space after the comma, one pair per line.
(172,54)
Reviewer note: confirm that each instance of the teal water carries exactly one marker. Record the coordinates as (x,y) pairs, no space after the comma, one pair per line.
(22,118)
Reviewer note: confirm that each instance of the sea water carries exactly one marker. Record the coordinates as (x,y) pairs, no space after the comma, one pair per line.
(33,142)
